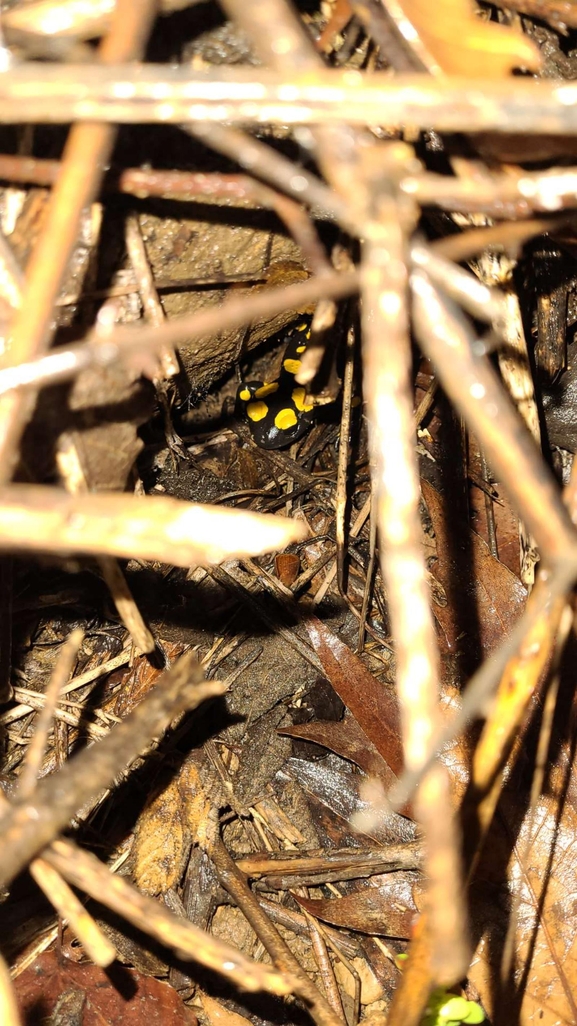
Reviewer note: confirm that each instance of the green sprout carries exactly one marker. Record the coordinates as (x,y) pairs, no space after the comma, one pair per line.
(446,1009)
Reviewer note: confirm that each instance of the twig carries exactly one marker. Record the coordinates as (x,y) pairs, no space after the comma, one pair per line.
(131,345)
(153,310)
(261,160)
(388,391)
(188,942)
(477,297)
(31,700)
(344,450)
(277,869)
(370,576)
(233,881)
(505,195)
(296,922)
(200,186)
(9,1013)
(426,403)
(504,235)
(96,945)
(469,380)
(36,519)
(36,749)
(324,964)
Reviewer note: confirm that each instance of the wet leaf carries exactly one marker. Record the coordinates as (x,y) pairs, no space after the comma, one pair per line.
(347,739)
(368,910)
(372,704)
(55,987)
(164,833)
(339,793)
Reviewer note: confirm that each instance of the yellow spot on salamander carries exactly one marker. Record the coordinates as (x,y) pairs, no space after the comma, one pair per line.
(292,366)
(302,327)
(301,349)
(267,389)
(299,396)
(244,395)
(256,411)
(285,419)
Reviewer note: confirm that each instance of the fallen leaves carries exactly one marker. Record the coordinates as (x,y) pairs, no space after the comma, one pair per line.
(63,991)
(368,910)
(166,829)
(484,598)
(371,703)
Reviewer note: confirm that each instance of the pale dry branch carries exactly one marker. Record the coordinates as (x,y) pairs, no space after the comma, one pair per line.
(42,519)
(126,94)
(133,345)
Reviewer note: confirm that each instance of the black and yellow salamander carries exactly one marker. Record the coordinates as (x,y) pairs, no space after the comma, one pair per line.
(277,411)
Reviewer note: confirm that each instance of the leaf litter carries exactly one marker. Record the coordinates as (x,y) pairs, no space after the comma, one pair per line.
(248,838)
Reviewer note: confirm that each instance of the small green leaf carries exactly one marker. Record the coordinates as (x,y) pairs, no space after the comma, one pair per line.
(475,1014)
(456,1008)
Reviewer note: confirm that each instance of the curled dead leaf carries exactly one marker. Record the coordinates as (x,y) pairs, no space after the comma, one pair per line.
(451,39)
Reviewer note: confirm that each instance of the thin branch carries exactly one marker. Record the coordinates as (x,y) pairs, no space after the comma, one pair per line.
(37,747)
(468,378)
(235,883)
(188,942)
(122,93)
(131,345)
(36,518)
(9,1012)
(389,395)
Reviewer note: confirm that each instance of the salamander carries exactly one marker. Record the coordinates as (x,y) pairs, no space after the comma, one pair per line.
(277,411)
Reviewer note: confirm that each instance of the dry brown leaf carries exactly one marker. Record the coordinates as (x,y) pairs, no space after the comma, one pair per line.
(166,829)
(373,705)
(368,910)
(347,739)
(545,942)
(135,681)
(483,597)
(451,39)
(56,990)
